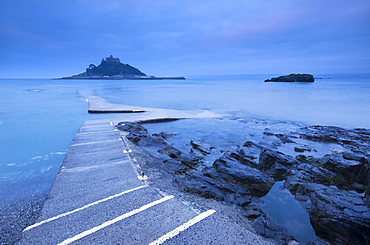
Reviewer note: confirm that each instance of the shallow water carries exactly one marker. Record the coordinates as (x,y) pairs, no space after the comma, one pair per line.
(282,208)
(39,117)
(340,101)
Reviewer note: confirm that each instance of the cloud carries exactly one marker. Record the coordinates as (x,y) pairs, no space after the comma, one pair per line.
(192,33)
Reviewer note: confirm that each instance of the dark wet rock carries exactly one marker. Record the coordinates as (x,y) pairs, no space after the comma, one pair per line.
(318,241)
(164,135)
(352,170)
(186,159)
(171,152)
(327,134)
(320,137)
(269,133)
(232,171)
(356,139)
(248,154)
(201,147)
(356,157)
(252,145)
(275,163)
(145,140)
(139,135)
(367,194)
(284,138)
(175,167)
(307,159)
(270,157)
(253,211)
(196,183)
(243,158)
(132,127)
(338,216)
(306,173)
(269,229)
(302,148)
(209,187)
(293,78)
(270,145)
(227,180)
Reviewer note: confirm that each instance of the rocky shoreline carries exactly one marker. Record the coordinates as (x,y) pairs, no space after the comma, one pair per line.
(333,188)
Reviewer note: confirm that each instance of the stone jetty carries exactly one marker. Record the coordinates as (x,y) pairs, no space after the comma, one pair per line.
(101,195)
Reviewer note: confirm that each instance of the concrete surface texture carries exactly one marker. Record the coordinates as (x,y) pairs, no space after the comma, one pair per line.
(136,113)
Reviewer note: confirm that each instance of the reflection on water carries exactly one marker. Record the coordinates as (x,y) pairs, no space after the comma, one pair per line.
(281,207)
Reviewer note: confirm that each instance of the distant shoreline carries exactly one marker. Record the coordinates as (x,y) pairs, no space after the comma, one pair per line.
(121,78)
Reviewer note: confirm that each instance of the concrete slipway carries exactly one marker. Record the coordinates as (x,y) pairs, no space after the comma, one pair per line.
(100,196)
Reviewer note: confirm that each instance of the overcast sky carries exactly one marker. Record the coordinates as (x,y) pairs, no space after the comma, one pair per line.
(53,38)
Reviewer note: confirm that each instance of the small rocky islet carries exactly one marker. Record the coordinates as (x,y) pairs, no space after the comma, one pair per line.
(334,189)
(302,78)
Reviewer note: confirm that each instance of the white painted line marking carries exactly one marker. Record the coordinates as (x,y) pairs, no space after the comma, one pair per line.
(182,227)
(94,142)
(110,222)
(86,206)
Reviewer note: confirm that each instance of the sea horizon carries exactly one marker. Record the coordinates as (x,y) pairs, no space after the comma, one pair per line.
(316,75)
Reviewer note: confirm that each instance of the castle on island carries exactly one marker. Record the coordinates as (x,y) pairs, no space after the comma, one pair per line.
(112,68)
(111,59)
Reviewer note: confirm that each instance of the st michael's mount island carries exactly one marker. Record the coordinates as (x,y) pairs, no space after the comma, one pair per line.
(112,68)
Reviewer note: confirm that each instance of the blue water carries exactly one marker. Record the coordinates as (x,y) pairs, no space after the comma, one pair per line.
(39,117)
(342,101)
(286,211)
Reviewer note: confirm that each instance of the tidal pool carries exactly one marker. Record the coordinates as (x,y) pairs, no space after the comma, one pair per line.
(281,207)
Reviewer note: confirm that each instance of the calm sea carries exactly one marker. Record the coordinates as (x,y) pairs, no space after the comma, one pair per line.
(39,117)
